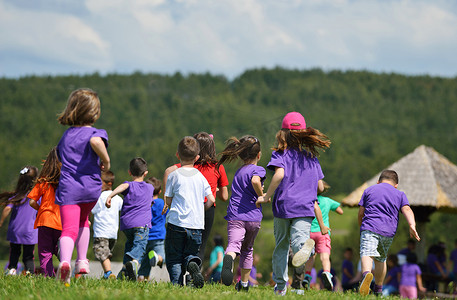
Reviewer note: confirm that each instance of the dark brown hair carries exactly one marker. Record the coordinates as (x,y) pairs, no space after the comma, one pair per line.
(83,108)
(25,183)
(308,139)
(207,149)
(156,183)
(247,148)
(50,173)
(388,175)
(108,177)
(188,148)
(138,166)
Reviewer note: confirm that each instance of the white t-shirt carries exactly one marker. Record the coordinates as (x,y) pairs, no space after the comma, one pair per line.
(188,188)
(106,220)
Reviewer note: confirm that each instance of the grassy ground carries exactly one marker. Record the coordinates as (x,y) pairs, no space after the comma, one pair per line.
(20,287)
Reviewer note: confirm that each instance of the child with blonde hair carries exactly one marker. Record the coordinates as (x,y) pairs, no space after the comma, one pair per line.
(82,152)
(243,215)
(48,218)
(21,233)
(295,184)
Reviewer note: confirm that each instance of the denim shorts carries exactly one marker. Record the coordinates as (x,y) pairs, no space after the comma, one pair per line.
(374,245)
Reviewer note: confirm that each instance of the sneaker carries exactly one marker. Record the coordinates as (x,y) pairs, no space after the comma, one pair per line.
(197,277)
(107,275)
(303,254)
(82,267)
(306,281)
(131,270)
(122,275)
(364,288)
(10,272)
(280,292)
(64,272)
(227,270)
(112,276)
(327,280)
(240,287)
(154,258)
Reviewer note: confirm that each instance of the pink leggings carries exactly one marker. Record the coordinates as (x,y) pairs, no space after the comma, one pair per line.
(74,217)
(75,230)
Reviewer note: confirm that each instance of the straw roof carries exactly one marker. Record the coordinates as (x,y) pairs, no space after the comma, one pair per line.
(428,179)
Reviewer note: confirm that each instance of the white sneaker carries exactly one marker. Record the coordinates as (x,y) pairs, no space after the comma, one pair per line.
(327,280)
(10,272)
(303,254)
(82,267)
(64,272)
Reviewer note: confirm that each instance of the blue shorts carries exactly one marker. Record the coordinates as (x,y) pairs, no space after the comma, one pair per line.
(374,245)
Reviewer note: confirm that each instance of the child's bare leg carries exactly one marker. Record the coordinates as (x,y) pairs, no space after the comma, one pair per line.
(245,275)
(106,265)
(232,254)
(380,269)
(325,259)
(367,264)
(310,263)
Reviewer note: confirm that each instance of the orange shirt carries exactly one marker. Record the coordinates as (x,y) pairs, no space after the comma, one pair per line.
(49,212)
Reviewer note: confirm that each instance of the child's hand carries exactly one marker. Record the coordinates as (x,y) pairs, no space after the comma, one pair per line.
(422,289)
(105,166)
(325,230)
(259,201)
(165,208)
(413,233)
(108,202)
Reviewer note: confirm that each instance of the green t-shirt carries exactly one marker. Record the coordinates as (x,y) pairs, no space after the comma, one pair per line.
(326,205)
(213,257)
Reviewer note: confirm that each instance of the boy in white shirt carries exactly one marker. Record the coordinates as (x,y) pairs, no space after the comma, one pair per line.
(106,224)
(185,194)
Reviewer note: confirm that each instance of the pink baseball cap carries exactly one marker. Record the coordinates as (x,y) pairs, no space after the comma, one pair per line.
(294,120)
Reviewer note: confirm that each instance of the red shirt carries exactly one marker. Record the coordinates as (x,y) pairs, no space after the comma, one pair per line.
(215,179)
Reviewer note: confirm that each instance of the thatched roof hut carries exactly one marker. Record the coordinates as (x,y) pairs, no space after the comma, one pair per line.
(429,181)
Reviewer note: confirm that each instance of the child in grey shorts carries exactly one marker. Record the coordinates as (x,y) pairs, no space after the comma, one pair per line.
(378,219)
(106,224)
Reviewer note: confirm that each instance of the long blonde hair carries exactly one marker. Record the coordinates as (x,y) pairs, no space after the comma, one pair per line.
(83,108)
(308,139)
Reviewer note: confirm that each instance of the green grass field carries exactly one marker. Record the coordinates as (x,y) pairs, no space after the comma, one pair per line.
(21,287)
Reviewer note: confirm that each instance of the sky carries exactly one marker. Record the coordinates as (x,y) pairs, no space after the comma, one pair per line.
(223,37)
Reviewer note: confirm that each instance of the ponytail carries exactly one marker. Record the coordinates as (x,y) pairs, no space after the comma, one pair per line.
(309,140)
(247,148)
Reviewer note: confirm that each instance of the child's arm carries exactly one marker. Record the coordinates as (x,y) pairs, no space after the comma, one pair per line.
(5,214)
(420,286)
(116,191)
(409,215)
(167,204)
(164,184)
(210,201)
(320,219)
(34,204)
(347,273)
(99,147)
(339,210)
(361,214)
(222,193)
(320,186)
(220,257)
(387,280)
(275,181)
(257,185)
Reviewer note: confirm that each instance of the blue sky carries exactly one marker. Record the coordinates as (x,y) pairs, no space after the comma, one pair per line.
(55,37)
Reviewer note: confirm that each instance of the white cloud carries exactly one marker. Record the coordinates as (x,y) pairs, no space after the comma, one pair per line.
(230,36)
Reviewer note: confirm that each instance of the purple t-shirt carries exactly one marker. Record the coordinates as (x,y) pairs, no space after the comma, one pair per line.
(393,273)
(80,173)
(297,192)
(408,274)
(382,204)
(453,258)
(136,209)
(242,202)
(431,263)
(347,264)
(20,228)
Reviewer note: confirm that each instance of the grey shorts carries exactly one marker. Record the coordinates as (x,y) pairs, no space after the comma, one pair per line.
(374,245)
(103,248)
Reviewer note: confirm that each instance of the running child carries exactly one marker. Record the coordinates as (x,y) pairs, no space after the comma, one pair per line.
(379,208)
(322,241)
(216,176)
(213,273)
(135,216)
(410,277)
(185,192)
(21,233)
(106,225)
(155,249)
(82,152)
(295,183)
(243,215)
(48,218)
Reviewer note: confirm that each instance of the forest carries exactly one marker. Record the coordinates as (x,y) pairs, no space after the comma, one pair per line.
(372,119)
